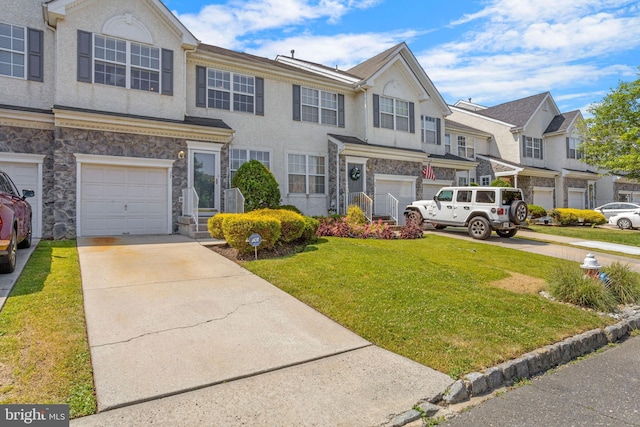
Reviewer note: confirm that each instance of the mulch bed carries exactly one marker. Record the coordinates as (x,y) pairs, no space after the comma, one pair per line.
(277,251)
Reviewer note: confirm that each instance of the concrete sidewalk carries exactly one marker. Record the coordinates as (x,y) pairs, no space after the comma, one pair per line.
(179,335)
(556,246)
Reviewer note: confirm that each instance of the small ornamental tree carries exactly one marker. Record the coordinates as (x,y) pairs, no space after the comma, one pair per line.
(258,186)
(500,183)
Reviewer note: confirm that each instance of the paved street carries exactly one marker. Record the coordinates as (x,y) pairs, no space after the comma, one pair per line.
(601,390)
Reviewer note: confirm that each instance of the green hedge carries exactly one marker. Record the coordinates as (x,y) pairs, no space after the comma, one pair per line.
(291,223)
(237,229)
(273,225)
(214,225)
(569,216)
(536,211)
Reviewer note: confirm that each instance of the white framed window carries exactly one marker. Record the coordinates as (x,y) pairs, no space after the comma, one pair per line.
(533,147)
(318,106)
(394,114)
(126,64)
(429,130)
(447,143)
(226,90)
(306,174)
(485,180)
(572,148)
(465,148)
(239,156)
(12,50)
(462,181)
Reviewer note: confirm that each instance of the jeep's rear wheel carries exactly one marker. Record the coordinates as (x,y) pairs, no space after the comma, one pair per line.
(479,228)
(518,212)
(507,233)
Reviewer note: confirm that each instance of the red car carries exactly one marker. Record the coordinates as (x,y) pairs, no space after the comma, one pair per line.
(15,222)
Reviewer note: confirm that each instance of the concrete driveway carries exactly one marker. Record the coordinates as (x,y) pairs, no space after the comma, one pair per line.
(179,335)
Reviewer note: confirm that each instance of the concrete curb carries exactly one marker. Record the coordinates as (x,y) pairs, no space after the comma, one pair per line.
(526,366)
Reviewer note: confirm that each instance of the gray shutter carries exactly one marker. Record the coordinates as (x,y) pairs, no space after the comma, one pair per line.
(542,148)
(412,118)
(259,96)
(35,45)
(167,72)
(201,86)
(376,111)
(296,103)
(85,56)
(524,146)
(438,131)
(341,111)
(568,149)
(422,130)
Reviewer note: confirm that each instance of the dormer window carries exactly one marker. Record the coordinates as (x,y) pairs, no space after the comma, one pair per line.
(122,63)
(116,60)
(391,113)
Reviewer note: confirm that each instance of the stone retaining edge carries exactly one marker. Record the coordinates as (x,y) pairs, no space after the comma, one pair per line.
(526,366)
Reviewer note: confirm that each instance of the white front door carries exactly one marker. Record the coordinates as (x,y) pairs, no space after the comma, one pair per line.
(204,179)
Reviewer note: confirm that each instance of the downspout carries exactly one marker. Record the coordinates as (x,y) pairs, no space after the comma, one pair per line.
(339,150)
(55,53)
(366,113)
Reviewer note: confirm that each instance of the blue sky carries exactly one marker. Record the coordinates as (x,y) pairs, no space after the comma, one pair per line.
(492,51)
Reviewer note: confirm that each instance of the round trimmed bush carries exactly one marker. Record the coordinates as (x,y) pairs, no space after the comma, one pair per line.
(214,225)
(258,186)
(291,223)
(237,229)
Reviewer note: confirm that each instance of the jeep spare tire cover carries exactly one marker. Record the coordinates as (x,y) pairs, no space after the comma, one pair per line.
(518,212)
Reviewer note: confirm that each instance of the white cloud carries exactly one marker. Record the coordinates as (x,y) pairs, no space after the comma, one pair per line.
(230,24)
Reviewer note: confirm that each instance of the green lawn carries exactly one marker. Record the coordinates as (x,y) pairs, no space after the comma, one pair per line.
(44,354)
(604,234)
(431,300)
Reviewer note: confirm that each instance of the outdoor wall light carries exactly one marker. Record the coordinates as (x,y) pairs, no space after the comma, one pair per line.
(181,154)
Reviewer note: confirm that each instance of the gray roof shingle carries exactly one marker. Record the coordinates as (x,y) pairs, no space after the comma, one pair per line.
(516,112)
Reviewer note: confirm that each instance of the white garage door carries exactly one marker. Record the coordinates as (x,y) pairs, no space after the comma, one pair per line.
(576,199)
(118,200)
(403,190)
(430,190)
(25,176)
(543,197)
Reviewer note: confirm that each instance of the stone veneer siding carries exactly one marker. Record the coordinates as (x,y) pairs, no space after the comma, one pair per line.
(618,187)
(34,141)
(69,141)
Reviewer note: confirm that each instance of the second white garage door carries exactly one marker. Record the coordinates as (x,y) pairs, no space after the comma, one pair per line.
(118,200)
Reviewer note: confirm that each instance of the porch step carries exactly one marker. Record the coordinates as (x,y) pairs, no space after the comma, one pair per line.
(386,219)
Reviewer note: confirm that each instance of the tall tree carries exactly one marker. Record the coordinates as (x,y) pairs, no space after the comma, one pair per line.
(611,138)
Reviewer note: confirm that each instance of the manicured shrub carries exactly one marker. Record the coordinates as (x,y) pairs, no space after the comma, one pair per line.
(291,223)
(237,229)
(334,226)
(500,183)
(536,211)
(258,186)
(624,284)
(290,208)
(413,230)
(355,216)
(571,217)
(214,225)
(309,233)
(569,284)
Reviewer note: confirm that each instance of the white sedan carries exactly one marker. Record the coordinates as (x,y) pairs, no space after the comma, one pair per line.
(627,220)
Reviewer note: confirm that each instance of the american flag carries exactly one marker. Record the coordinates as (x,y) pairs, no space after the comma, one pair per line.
(427,173)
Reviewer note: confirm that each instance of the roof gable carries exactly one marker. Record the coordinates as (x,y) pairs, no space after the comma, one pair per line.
(55,10)
(562,122)
(371,68)
(518,112)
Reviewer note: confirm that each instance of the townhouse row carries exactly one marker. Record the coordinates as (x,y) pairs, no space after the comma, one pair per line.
(124,123)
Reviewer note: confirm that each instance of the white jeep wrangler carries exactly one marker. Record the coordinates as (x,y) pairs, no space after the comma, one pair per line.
(481,209)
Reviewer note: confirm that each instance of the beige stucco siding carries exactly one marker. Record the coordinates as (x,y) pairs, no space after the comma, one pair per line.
(20,91)
(145,17)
